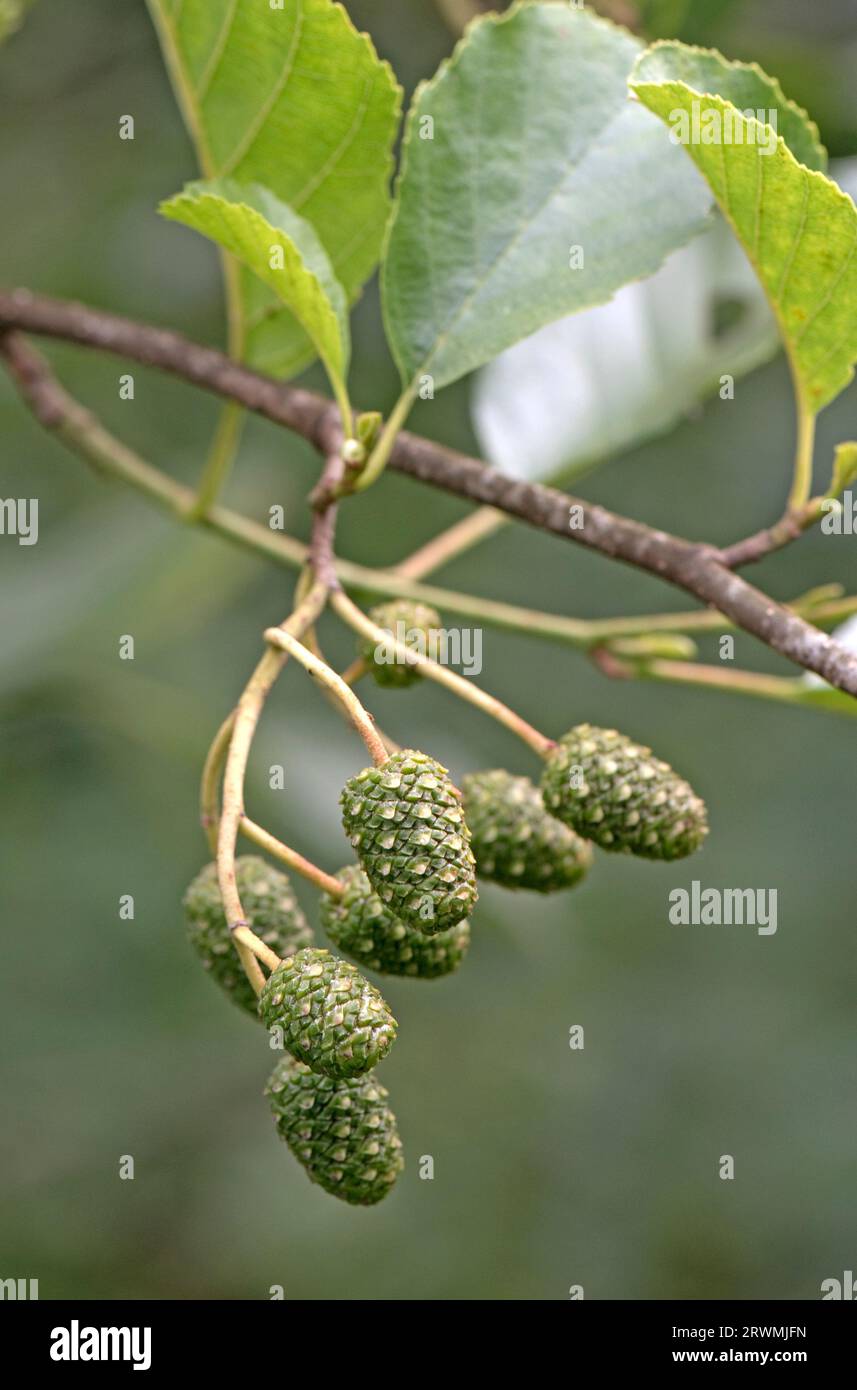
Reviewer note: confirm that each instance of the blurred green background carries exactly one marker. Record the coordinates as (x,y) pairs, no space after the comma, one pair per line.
(552,1167)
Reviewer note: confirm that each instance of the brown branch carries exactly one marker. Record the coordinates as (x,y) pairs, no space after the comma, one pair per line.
(305,413)
(321,555)
(762,543)
(696,568)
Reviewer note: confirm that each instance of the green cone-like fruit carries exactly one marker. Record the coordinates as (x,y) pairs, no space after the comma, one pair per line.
(515,841)
(271,911)
(359,924)
(409,623)
(343,1132)
(616,793)
(331,1017)
(406,822)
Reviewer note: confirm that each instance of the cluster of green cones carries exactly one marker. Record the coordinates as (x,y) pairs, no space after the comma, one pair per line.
(403,910)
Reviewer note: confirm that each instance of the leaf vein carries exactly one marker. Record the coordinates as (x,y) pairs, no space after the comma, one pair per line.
(760,190)
(255,126)
(510,246)
(798,238)
(833,351)
(831,292)
(725,180)
(215,57)
(337,155)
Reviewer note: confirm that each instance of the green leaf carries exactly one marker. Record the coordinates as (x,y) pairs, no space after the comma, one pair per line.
(745,85)
(844,468)
(523,147)
(296,100)
(797,227)
(596,384)
(283,250)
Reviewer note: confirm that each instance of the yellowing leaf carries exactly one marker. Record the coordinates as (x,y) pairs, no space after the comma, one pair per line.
(745,85)
(798,228)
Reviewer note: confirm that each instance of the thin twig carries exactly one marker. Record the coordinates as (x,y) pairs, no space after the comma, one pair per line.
(442,675)
(247,713)
(696,568)
(84,435)
(475,527)
(356,671)
(81,432)
(301,865)
(224,447)
(321,557)
(762,543)
(209,794)
(283,640)
(790,690)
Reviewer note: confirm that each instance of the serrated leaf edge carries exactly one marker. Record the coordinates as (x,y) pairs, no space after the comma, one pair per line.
(337,371)
(805,405)
(753,67)
(164,22)
(446,65)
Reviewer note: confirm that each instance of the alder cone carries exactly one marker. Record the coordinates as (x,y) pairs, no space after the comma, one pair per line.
(331,1017)
(343,1132)
(414,622)
(406,823)
(359,924)
(514,840)
(615,793)
(271,910)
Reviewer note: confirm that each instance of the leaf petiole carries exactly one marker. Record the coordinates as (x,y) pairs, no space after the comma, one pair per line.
(804,453)
(380,455)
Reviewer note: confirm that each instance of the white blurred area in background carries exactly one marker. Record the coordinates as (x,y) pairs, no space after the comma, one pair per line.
(602,381)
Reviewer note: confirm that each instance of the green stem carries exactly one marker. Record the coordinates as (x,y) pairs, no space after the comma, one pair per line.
(709,620)
(227,435)
(85,436)
(228,431)
(802,481)
(380,455)
(783,689)
(224,447)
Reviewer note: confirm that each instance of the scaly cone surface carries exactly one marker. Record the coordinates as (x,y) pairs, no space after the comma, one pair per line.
(405,821)
(410,623)
(270,909)
(330,1016)
(359,924)
(514,840)
(343,1132)
(614,792)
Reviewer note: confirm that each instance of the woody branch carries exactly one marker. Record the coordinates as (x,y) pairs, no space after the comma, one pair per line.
(698,568)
